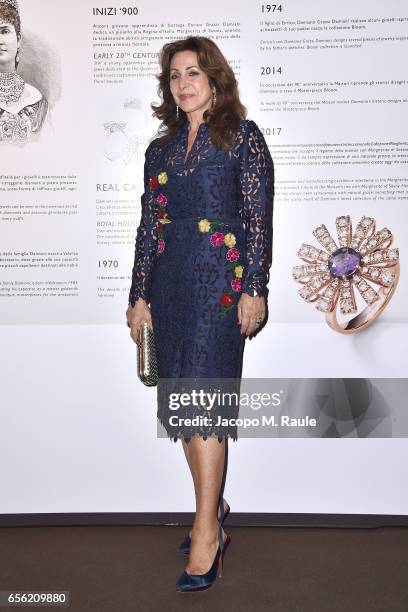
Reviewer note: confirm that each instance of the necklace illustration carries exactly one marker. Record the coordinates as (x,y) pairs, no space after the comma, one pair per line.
(11,87)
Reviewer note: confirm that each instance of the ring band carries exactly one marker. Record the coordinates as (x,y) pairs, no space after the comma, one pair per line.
(370,313)
(333,274)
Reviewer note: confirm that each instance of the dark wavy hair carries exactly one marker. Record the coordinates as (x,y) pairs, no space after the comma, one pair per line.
(10,15)
(223,119)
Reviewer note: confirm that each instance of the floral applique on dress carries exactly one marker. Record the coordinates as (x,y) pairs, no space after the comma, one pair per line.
(160,202)
(227,240)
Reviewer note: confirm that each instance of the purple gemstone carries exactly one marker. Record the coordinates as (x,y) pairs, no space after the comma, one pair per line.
(344,261)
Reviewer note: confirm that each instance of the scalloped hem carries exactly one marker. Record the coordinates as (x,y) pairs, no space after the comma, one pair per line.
(174,435)
(204,437)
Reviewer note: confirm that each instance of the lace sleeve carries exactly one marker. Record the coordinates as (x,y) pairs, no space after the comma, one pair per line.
(145,245)
(257,188)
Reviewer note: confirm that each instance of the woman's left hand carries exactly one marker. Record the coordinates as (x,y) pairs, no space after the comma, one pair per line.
(250,310)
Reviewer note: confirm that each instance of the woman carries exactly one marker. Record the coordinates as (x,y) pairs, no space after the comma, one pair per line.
(22,106)
(202,261)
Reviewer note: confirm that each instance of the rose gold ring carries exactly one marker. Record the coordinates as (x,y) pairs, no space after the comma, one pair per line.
(333,273)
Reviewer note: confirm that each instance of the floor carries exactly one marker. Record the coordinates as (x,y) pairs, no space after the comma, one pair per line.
(290,569)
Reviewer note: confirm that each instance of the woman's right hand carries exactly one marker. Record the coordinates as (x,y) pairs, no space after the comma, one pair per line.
(137,315)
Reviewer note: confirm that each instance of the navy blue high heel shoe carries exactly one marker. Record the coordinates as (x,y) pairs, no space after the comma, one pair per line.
(198,582)
(184,547)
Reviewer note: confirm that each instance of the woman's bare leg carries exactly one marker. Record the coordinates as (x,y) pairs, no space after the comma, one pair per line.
(186,452)
(185,448)
(191,467)
(206,459)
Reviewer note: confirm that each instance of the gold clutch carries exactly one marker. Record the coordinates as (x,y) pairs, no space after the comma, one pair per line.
(146,356)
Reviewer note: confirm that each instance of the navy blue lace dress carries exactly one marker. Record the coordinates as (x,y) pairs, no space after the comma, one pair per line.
(205,236)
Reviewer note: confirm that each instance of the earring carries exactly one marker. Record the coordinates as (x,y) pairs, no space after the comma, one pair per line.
(17,56)
(214,97)
(177,113)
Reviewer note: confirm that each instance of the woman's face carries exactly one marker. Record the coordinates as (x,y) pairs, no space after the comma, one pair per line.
(189,84)
(9,44)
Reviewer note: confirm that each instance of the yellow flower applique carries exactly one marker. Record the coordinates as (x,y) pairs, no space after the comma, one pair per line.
(229,240)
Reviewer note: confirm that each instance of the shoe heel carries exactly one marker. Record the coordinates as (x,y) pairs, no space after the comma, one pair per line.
(219,571)
(223,513)
(221,559)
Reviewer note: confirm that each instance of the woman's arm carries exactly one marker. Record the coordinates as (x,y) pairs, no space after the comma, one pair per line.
(145,245)
(257,187)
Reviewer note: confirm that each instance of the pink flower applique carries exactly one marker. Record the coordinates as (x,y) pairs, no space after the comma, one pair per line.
(236,284)
(217,239)
(161,199)
(232,254)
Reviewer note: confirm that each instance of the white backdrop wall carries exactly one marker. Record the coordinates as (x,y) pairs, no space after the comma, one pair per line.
(325,82)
